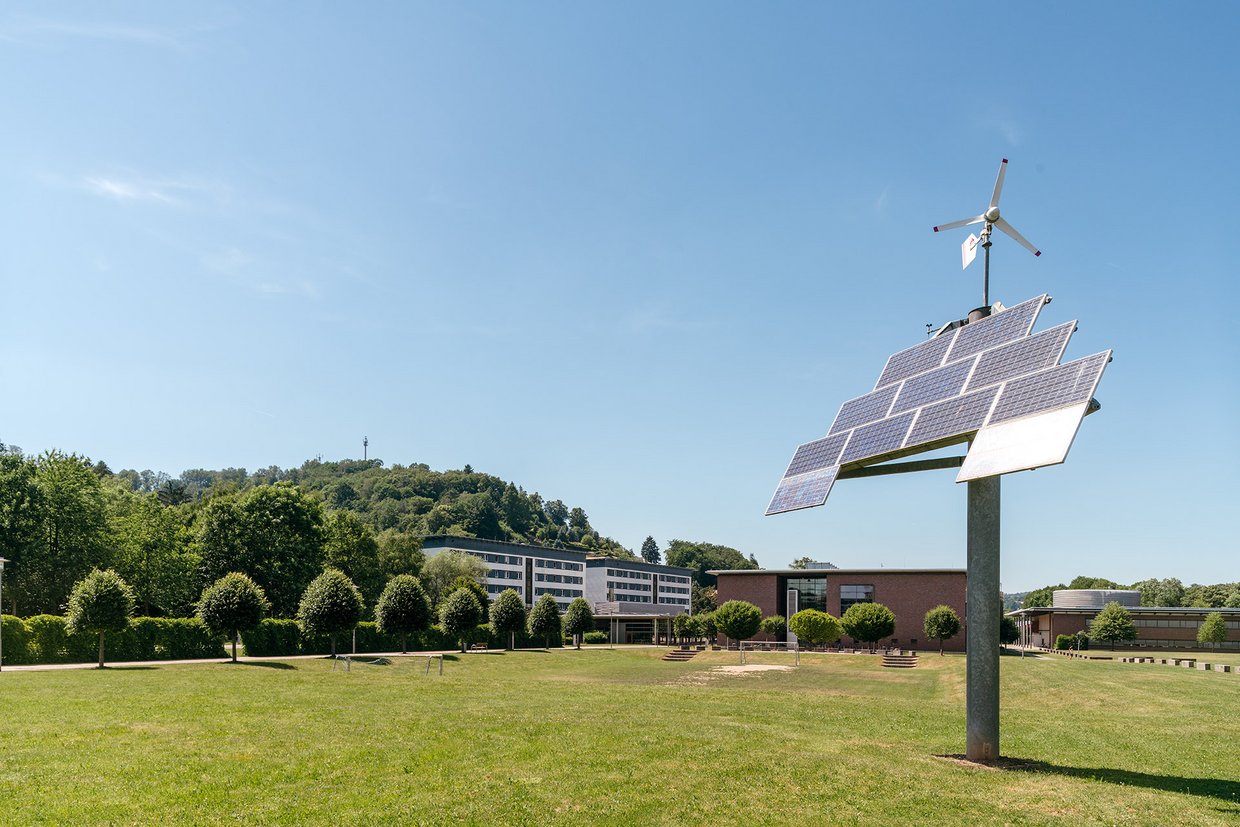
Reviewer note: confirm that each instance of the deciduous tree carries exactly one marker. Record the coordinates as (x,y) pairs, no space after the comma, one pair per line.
(403,609)
(508,615)
(941,623)
(545,619)
(460,614)
(232,605)
(1213,630)
(1113,623)
(814,627)
(100,603)
(775,626)
(330,605)
(738,619)
(868,622)
(578,619)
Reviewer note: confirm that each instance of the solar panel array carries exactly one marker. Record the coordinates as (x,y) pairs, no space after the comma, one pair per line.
(943,391)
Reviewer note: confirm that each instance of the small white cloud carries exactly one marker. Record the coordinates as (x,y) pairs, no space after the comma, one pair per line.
(141,189)
(880,203)
(126,190)
(25,29)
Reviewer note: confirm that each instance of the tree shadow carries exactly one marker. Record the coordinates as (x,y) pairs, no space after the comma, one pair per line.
(265,664)
(1224,789)
(111,668)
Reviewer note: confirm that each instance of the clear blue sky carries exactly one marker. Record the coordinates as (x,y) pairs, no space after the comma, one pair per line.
(627,255)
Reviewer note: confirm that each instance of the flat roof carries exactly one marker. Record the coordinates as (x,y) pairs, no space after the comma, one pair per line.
(1137,610)
(833,572)
(601,561)
(438,541)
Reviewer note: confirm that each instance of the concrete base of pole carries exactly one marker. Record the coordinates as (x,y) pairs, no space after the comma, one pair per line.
(984,604)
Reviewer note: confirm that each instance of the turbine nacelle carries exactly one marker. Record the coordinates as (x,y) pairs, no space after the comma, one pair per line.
(991,216)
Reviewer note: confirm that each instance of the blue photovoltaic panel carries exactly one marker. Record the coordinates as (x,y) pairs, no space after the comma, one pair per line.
(917,359)
(863,409)
(945,390)
(955,417)
(820,453)
(931,387)
(996,329)
(803,490)
(1041,350)
(880,437)
(1052,388)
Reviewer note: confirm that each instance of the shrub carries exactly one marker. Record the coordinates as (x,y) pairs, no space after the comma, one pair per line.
(578,619)
(460,614)
(815,627)
(101,602)
(868,622)
(596,637)
(941,623)
(48,639)
(231,605)
(16,637)
(330,605)
(403,609)
(1064,641)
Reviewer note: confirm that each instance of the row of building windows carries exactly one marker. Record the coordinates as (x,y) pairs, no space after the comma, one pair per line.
(632,587)
(632,598)
(674,601)
(673,590)
(812,593)
(504,574)
(557,592)
(1154,623)
(632,575)
(558,578)
(494,588)
(1153,643)
(503,559)
(674,578)
(558,564)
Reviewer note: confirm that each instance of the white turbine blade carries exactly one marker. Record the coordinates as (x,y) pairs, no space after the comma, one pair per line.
(1010,230)
(964,222)
(994,199)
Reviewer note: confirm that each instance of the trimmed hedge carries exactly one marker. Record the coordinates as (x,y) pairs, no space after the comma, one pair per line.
(46,639)
(596,637)
(281,638)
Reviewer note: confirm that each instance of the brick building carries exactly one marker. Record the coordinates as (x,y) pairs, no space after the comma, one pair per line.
(910,593)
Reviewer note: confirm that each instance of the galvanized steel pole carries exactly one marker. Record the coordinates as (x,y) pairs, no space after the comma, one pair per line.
(982,622)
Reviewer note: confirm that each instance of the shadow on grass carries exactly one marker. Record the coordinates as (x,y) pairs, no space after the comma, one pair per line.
(125,668)
(265,664)
(1223,789)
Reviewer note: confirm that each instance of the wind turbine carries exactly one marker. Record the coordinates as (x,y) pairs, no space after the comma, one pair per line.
(992,219)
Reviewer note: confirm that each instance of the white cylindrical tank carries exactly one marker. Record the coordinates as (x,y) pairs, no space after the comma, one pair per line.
(1093,598)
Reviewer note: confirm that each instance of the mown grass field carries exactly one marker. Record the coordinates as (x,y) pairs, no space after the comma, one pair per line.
(614,737)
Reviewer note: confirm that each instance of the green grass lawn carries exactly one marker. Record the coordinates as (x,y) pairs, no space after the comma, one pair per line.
(614,737)
(1207,655)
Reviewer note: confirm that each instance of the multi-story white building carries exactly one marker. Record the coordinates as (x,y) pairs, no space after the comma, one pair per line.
(627,596)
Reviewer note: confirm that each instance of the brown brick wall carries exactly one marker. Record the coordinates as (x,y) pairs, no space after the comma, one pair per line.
(909,594)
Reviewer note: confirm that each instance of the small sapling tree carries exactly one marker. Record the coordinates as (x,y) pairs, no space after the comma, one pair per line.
(545,619)
(508,615)
(814,627)
(1009,632)
(1113,623)
(403,609)
(232,605)
(331,604)
(101,602)
(941,623)
(775,626)
(459,615)
(578,619)
(706,626)
(738,619)
(868,622)
(1213,630)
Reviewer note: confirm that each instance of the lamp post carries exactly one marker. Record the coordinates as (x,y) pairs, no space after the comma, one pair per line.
(2,562)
